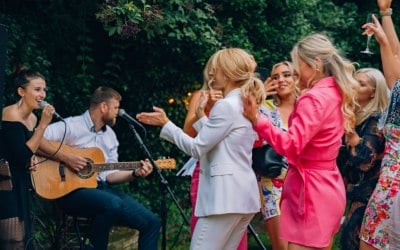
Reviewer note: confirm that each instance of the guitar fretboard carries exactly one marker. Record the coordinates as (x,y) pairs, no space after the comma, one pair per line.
(98,167)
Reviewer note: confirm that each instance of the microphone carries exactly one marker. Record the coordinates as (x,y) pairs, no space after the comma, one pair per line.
(129,118)
(42,104)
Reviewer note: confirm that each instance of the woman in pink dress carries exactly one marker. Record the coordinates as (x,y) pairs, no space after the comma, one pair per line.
(313,196)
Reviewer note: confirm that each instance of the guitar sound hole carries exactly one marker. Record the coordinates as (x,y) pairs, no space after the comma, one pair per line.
(87,171)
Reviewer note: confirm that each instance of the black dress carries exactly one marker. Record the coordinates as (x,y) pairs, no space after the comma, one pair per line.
(15,203)
(360,169)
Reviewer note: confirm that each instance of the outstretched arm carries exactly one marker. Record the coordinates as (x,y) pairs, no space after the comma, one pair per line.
(191,117)
(390,61)
(388,26)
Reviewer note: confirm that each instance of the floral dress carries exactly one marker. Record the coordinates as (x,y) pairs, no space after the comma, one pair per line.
(376,223)
(271,188)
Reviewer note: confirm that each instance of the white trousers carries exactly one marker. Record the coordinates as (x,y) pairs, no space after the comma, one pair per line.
(219,232)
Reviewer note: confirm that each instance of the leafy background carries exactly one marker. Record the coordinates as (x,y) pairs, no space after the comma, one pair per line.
(153,53)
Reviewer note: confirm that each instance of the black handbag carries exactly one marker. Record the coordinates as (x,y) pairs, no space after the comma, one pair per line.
(267,162)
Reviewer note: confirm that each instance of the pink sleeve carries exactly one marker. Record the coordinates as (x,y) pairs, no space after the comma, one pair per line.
(305,123)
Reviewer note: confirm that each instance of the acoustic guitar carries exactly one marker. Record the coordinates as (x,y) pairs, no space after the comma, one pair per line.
(52,179)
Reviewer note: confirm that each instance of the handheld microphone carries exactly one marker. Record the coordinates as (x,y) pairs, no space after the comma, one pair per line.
(42,104)
(129,118)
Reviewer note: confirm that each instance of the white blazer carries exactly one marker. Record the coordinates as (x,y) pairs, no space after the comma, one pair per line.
(223,145)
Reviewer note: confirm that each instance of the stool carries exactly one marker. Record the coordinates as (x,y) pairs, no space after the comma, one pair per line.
(11,233)
(71,230)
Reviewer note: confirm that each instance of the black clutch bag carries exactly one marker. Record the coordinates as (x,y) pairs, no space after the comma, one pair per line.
(267,162)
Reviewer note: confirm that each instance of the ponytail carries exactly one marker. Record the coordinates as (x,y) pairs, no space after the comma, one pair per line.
(255,87)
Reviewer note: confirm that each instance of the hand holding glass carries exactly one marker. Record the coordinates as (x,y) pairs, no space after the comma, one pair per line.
(369,35)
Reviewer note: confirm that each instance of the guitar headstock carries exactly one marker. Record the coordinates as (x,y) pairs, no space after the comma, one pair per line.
(166,163)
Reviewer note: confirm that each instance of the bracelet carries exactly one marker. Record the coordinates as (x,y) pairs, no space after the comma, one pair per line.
(134,173)
(387,12)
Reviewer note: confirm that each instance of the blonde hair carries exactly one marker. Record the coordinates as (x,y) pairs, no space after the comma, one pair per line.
(380,101)
(293,72)
(237,66)
(319,46)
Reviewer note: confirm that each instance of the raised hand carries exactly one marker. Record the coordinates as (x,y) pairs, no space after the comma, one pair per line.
(376,29)
(384,4)
(215,95)
(250,108)
(270,87)
(47,115)
(156,118)
(201,105)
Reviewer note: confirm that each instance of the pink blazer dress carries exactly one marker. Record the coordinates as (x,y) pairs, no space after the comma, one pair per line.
(313,196)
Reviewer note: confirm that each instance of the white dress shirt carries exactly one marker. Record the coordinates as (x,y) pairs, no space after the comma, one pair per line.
(79,133)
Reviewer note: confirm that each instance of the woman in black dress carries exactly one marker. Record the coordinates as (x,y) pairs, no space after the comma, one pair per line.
(19,140)
(363,153)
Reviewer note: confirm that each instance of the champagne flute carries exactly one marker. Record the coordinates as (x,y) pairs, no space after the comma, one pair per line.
(369,35)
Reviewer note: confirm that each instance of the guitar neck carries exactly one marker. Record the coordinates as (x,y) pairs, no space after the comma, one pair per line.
(98,167)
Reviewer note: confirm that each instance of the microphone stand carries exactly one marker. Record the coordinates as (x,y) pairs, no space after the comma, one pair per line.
(164,187)
(255,235)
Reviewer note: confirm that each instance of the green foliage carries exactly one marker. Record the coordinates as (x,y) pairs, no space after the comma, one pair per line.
(123,18)
(172,23)
(22,49)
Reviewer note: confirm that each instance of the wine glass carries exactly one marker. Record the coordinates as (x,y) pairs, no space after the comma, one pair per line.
(369,35)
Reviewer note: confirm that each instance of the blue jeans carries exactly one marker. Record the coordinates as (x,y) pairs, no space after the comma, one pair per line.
(108,207)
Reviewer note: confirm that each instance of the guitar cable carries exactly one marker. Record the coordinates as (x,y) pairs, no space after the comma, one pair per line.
(33,215)
(53,154)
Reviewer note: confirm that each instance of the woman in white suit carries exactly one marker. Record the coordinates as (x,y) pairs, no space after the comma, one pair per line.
(228,193)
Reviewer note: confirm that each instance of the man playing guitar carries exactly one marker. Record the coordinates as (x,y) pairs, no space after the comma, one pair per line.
(106,206)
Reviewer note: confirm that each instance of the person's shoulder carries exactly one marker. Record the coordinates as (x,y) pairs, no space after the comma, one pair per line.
(373,117)
(325,95)
(225,106)
(195,95)
(109,130)
(230,105)
(313,100)
(69,123)
(10,113)
(75,119)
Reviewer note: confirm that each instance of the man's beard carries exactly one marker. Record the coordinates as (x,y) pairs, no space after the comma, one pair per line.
(111,122)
